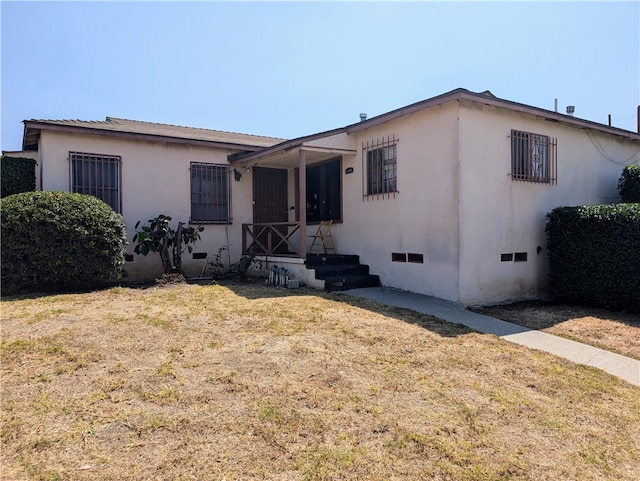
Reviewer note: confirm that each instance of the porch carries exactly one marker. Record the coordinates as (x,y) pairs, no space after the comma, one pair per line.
(293,185)
(296,186)
(271,239)
(279,238)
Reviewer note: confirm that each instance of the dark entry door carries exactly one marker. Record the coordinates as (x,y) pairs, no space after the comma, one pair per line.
(270,199)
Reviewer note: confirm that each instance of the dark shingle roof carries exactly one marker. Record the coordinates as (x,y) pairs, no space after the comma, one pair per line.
(146,131)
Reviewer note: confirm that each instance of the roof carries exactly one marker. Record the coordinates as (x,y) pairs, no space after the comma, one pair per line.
(135,129)
(486,98)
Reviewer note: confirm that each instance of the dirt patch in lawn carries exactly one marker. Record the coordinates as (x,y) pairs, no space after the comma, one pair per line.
(249,382)
(614,331)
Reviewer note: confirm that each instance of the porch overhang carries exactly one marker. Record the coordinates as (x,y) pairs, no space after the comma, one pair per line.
(289,156)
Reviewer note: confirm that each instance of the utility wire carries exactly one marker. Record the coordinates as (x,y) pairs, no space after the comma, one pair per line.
(601,150)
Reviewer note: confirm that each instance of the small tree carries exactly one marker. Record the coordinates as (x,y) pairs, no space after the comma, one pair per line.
(629,184)
(160,237)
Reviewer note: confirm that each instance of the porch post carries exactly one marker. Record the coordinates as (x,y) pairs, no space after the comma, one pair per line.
(302,202)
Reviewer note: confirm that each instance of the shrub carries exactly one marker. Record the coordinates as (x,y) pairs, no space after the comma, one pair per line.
(594,254)
(629,184)
(59,241)
(17,175)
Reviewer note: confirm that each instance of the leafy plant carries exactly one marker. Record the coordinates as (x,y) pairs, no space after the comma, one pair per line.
(594,254)
(248,259)
(57,241)
(238,269)
(629,184)
(218,268)
(18,175)
(160,237)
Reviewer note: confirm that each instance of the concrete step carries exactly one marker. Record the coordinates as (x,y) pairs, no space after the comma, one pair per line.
(314,260)
(337,270)
(343,283)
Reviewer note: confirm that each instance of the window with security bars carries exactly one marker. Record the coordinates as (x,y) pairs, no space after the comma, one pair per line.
(97,175)
(533,158)
(210,194)
(381,170)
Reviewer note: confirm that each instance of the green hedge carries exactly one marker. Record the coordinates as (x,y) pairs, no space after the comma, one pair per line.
(17,175)
(59,241)
(629,184)
(594,254)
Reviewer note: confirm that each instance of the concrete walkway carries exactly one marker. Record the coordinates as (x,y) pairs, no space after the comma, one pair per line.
(615,364)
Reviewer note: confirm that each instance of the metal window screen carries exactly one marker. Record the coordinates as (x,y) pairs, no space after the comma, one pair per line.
(533,158)
(97,175)
(380,157)
(210,196)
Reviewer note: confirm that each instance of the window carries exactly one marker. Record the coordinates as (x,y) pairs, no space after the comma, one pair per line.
(533,158)
(210,194)
(97,175)
(381,166)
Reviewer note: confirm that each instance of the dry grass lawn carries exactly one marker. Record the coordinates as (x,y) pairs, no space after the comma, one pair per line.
(614,331)
(248,382)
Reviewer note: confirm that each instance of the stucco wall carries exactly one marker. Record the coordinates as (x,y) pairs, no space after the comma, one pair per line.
(155,180)
(457,204)
(499,216)
(422,218)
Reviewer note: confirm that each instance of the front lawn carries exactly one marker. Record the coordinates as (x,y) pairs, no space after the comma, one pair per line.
(610,330)
(248,382)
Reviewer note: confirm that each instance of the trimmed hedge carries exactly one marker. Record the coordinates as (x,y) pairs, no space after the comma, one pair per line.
(629,184)
(59,241)
(594,254)
(17,175)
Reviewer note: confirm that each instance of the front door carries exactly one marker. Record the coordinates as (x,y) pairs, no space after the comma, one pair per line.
(270,200)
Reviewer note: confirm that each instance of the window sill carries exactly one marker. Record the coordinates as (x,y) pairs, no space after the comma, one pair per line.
(382,195)
(206,222)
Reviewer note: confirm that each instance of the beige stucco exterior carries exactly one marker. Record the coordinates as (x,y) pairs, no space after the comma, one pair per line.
(422,218)
(155,180)
(457,206)
(498,215)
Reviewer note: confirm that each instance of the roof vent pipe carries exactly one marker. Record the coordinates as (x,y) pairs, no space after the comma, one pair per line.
(555,104)
(571,109)
(363,117)
(639,119)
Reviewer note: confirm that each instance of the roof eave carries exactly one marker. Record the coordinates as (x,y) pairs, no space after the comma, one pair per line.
(38,125)
(463,94)
(549,115)
(283,146)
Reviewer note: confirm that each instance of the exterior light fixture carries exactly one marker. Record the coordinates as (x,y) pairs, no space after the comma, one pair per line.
(236,175)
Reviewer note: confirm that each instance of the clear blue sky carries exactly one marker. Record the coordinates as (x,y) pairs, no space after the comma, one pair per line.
(295,68)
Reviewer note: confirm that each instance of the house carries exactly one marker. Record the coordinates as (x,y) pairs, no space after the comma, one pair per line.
(445,197)
(143,169)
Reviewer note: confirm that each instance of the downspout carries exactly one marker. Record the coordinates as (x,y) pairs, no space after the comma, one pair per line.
(302,202)
(460,240)
(39,167)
